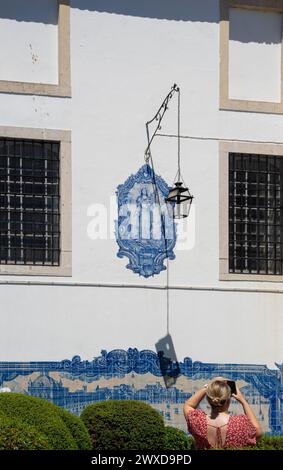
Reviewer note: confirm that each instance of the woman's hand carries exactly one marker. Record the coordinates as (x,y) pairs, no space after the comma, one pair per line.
(239,396)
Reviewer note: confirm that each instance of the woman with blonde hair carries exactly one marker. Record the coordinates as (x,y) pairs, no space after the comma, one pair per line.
(218,429)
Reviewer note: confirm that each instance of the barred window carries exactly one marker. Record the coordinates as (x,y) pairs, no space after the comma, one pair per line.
(255,214)
(29,202)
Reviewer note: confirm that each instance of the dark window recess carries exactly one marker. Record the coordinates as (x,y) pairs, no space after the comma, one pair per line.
(255,214)
(29,202)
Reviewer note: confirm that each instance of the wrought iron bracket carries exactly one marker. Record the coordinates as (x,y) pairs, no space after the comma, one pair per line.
(158,117)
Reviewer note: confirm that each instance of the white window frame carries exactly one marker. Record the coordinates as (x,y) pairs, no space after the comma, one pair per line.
(63,87)
(227,103)
(224,149)
(65,191)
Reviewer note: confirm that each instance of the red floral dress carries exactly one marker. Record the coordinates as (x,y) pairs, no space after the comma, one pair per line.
(240,432)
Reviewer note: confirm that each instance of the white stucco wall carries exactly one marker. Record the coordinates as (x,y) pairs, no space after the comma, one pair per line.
(124,60)
(52,323)
(29,38)
(255,55)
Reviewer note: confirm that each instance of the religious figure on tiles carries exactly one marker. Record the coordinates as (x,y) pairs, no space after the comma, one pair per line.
(144,210)
(145,229)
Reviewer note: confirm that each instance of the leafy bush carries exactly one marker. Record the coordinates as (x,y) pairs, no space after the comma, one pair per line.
(124,424)
(77,429)
(15,435)
(270,443)
(175,439)
(58,427)
(265,442)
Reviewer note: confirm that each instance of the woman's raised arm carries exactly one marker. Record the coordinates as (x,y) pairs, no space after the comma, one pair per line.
(193,402)
(248,411)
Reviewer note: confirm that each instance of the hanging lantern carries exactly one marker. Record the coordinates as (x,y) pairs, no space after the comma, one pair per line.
(181,198)
(179,195)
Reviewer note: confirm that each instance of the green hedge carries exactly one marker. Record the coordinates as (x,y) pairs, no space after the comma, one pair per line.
(270,443)
(265,442)
(15,435)
(77,429)
(124,424)
(57,428)
(176,439)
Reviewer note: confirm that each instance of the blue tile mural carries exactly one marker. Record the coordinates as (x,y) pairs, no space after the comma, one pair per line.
(139,375)
(145,229)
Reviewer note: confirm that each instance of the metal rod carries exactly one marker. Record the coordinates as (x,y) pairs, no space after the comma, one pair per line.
(141,286)
(158,117)
(217,139)
(179,140)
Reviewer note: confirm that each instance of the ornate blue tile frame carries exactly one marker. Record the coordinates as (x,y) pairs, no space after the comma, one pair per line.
(139,195)
(267,383)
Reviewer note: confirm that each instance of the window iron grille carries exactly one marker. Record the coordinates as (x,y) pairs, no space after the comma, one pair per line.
(29,202)
(255,214)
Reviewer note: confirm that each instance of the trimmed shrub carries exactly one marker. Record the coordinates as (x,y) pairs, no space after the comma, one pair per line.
(176,439)
(124,424)
(265,442)
(15,435)
(77,429)
(270,443)
(61,429)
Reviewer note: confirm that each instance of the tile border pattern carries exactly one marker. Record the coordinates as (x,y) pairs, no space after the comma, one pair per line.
(117,363)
